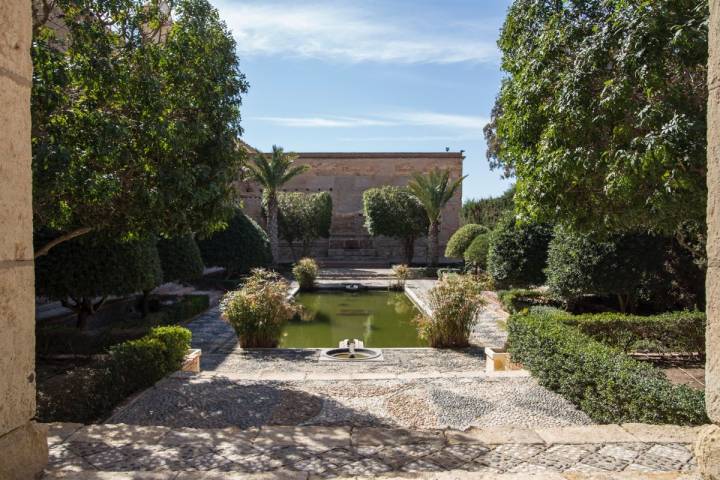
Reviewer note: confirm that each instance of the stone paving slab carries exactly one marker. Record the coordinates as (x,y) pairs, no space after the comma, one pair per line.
(312,452)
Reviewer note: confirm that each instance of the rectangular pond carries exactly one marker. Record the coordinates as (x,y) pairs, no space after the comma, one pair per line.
(381,319)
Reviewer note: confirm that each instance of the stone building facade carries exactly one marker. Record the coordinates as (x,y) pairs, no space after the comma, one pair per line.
(346,176)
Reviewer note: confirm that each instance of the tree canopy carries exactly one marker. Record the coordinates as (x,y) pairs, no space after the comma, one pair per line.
(304,217)
(135,118)
(604,106)
(488,211)
(394,212)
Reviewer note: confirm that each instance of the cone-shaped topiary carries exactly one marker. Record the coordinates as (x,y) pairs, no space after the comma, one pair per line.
(242,246)
(180,258)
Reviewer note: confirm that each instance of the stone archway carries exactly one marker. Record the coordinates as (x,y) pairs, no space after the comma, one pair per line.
(23,445)
(708,447)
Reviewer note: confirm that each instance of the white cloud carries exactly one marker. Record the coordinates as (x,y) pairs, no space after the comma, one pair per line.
(434,119)
(339,32)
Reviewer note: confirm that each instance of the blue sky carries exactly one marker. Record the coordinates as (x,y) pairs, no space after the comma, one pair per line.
(383,75)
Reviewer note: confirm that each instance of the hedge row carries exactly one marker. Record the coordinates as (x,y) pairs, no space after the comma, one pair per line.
(70,340)
(517,299)
(87,394)
(682,332)
(601,380)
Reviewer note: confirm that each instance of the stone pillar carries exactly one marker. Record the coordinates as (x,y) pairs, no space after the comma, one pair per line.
(23,444)
(708,446)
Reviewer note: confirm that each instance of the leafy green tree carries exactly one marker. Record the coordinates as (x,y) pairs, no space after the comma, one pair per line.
(604,107)
(626,266)
(462,238)
(304,217)
(272,172)
(476,253)
(239,248)
(433,191)
(180,258)
(518,253)
(83,272)
(134,119)
(488,211)
(394,212)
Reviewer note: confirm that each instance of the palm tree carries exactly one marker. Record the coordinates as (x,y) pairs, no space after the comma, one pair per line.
(272,172)
(433,191)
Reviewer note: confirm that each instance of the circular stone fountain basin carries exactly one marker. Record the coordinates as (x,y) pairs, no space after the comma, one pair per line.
(344,354)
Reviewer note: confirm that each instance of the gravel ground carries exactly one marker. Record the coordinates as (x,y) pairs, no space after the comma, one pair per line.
(217,401)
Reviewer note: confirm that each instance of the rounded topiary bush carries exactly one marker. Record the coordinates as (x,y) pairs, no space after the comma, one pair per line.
(94,266)
(627,266)
(242,246)
(180,258)
(518,253)
(476,253)
(305,272)
(462,238)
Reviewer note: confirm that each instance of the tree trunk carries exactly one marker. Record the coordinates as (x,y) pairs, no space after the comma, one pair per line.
(145,303)
(409,249)
(433,240)
(273,228)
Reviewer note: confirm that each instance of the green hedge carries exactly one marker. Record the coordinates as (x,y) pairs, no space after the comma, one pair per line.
(68,340)
(462,238)
(682,332)
(517,299)
(88,394)
(601,380)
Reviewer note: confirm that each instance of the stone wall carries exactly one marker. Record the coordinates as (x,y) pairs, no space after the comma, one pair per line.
(23,448)
(346,176)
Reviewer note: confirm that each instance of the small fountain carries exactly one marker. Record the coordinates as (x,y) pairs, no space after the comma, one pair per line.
(350,351)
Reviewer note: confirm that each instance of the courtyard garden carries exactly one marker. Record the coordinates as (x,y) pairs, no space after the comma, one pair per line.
(586,277)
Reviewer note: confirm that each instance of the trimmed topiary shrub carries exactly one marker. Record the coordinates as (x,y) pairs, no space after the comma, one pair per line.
(519,299)
(95,266)
(305,272)
(518,253)
(628,267)
(676,332)
(177,343)
(394,212)
(477,252)
(180,259)
(242,246)
(601,380)
(455,300)
(304,217)
(259,310)
(462,238)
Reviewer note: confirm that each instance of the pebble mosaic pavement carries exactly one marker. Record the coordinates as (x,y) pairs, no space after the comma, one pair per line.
(328,452)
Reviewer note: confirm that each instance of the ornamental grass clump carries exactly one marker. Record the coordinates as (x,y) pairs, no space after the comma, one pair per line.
(305,272)
(455,302)
(259,310)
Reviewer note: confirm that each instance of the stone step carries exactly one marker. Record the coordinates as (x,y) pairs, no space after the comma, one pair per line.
(345,252)
(292,452)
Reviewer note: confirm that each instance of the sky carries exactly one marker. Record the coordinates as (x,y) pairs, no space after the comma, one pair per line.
(371,76)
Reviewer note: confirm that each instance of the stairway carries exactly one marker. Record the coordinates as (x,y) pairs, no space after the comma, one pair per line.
(115,451)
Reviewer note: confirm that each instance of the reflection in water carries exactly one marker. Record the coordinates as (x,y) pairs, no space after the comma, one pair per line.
(379,318)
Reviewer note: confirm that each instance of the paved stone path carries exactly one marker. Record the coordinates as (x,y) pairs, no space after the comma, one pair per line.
(331,452)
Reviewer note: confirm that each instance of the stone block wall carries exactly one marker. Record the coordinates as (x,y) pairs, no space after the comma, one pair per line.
(346,176)
(23,448)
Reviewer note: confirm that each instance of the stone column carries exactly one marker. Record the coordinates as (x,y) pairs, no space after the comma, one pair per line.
(708,446)
(23,445)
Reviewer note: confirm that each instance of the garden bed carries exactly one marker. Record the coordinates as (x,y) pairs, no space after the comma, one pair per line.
(577,357)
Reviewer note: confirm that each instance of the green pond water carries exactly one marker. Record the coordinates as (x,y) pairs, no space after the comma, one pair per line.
(380,319)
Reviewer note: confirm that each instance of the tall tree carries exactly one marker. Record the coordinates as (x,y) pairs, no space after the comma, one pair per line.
(272,172)
(434,190)
(395,212)
(134,118)
(604,107)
